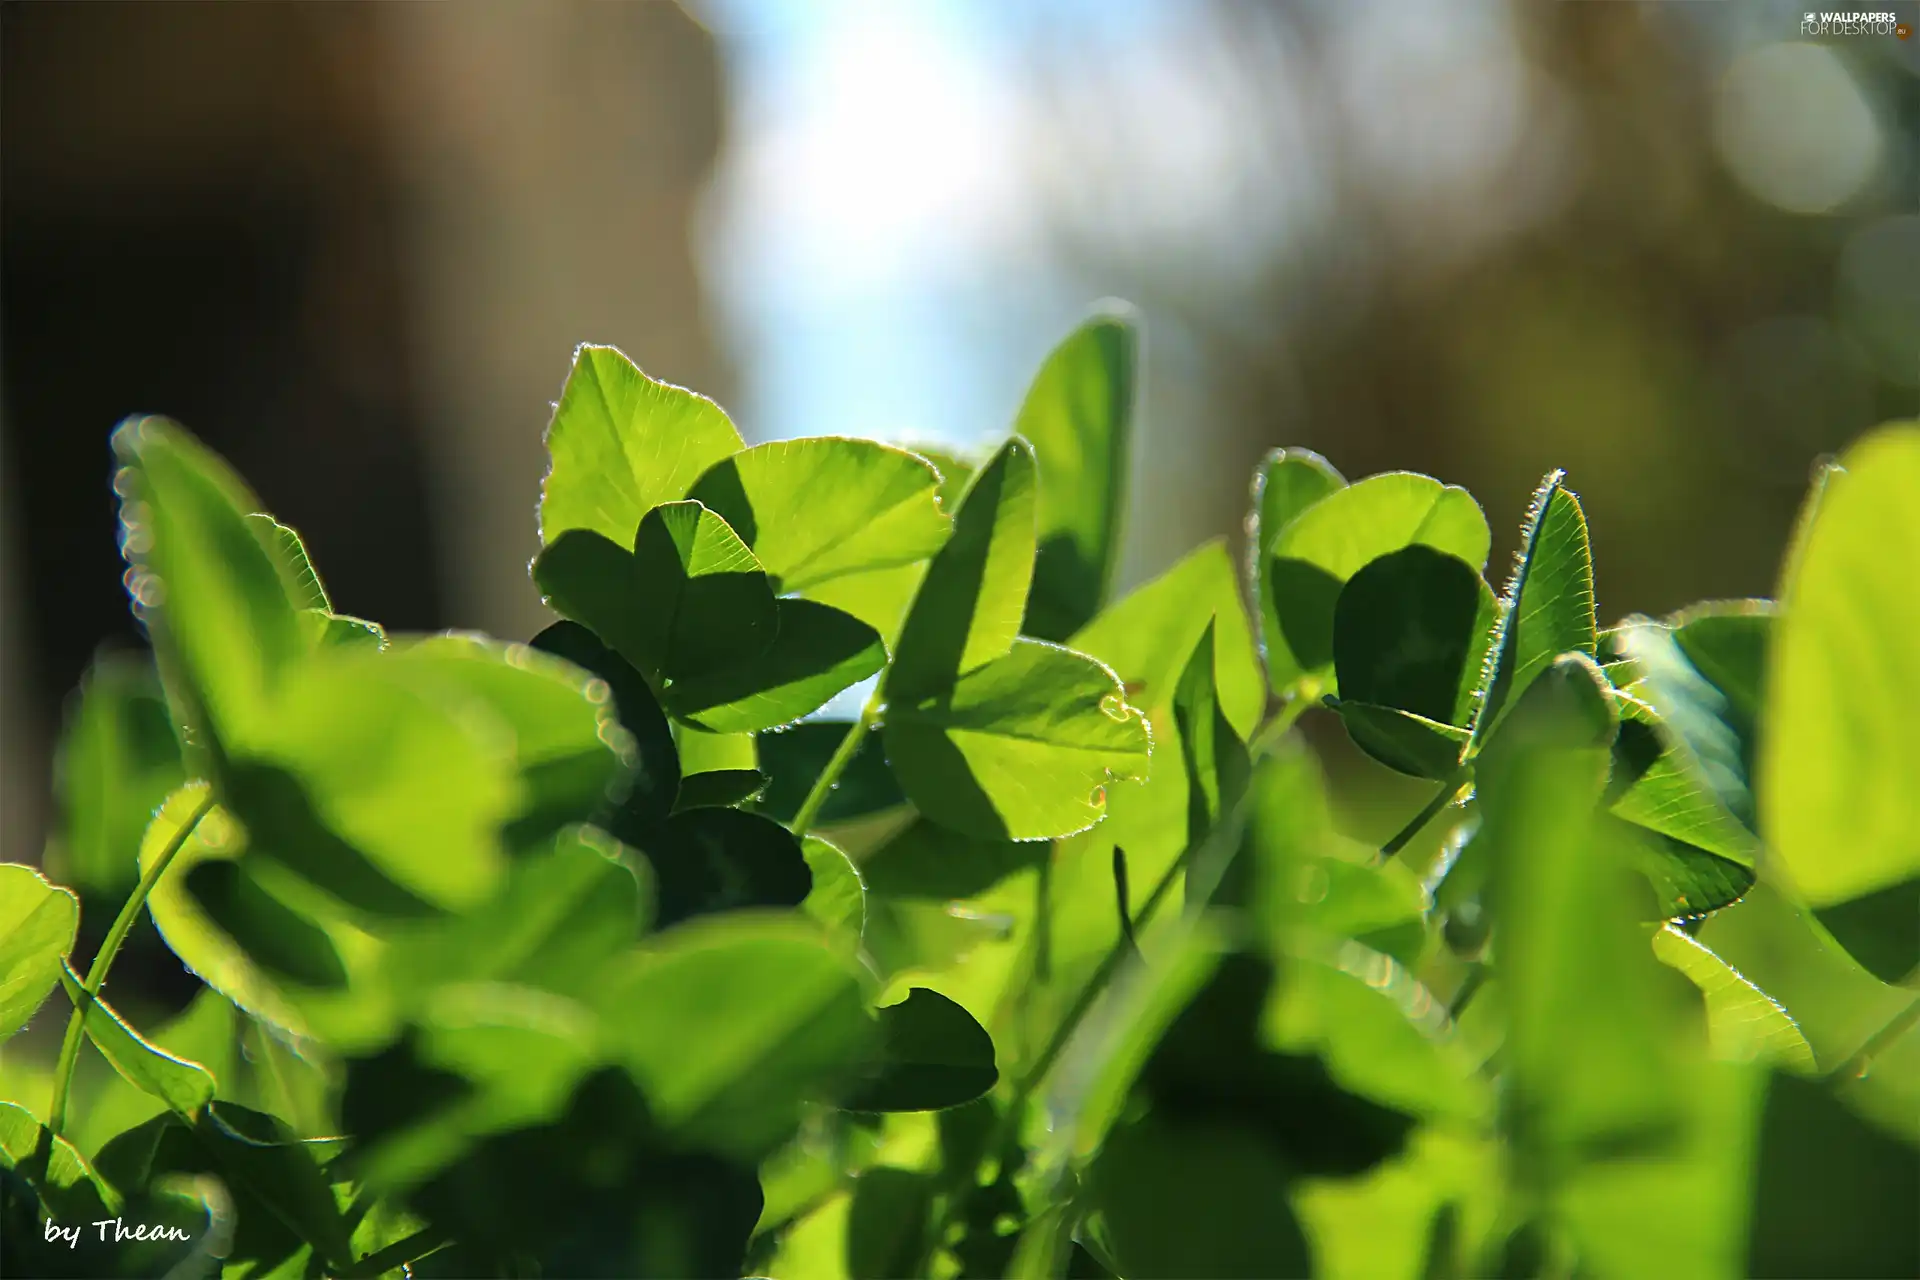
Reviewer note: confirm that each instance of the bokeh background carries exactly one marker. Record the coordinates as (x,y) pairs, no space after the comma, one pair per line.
(1673,248)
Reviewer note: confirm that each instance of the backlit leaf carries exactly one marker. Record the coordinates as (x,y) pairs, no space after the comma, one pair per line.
(622,444)
(729,1024)
(210,593)
(371,785)
(1323,546)
(794,758)
(932,1055)
(705,602)
(817,652)
(1021,748)
(719,789)
(184,1086)
(1743,1022)
(1078,416)
(37,924)
(567,743)
(1286,483)
(838,898)
(1148,635)
(817,509)
(118,759)
(1548,608)
(655,777)
(1841,751)
(968,609)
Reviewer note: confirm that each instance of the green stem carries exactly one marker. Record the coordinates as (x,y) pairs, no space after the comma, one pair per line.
(103,961)
(1441,799)
(836,765)
(1063,1034)
(1863,1058)
(398,1254)
(1291,710)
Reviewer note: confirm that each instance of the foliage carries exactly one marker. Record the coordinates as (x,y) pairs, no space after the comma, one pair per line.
(606,954)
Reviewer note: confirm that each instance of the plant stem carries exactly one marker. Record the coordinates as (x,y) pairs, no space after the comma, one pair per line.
(103,961)
(1441,798)
(1063,1034)
(398,1254)
(1863,1057)
(1275,729)
(836,765)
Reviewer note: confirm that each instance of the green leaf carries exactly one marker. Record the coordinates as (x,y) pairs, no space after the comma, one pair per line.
(1314,883)
(1078,416)
(373,785)
(37,925)
(1782,948)
(1744,1024)
(885,1222)
(1548,608)
(1216,760)
(561,913)
(794,757)
(1698,789)
(202,1033)
(817,652)
(588,578)
(838,899)
(719,789)
(711,860)
(184,1086)
(203,946)
(621,444)
(339,629)
(67,1184)
(1197,1201)
(703,752)
(274,936)
(1148,636)
(1635,1140)
(1411,632)
(706,603)
(818,509)
(967,611)
(117,760)
(1587,1052)
(1380,1033)
(931,863)
(655,780)
(729,1024)
(1880,930)
(567,743)
(1323,546)
(1831,1196)
(258,1154)
(1685,879)
(880,598)
(1403,741)
(1406,629)
(289,554)
(1286,483)
(932,1055)
(955,469)
(1021,748)
(1841,750)
(209,592)
(483,1057)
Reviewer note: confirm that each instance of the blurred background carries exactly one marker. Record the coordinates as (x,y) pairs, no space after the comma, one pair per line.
(1674,248)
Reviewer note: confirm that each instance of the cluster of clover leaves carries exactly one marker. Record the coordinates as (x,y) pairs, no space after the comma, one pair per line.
(607,954)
